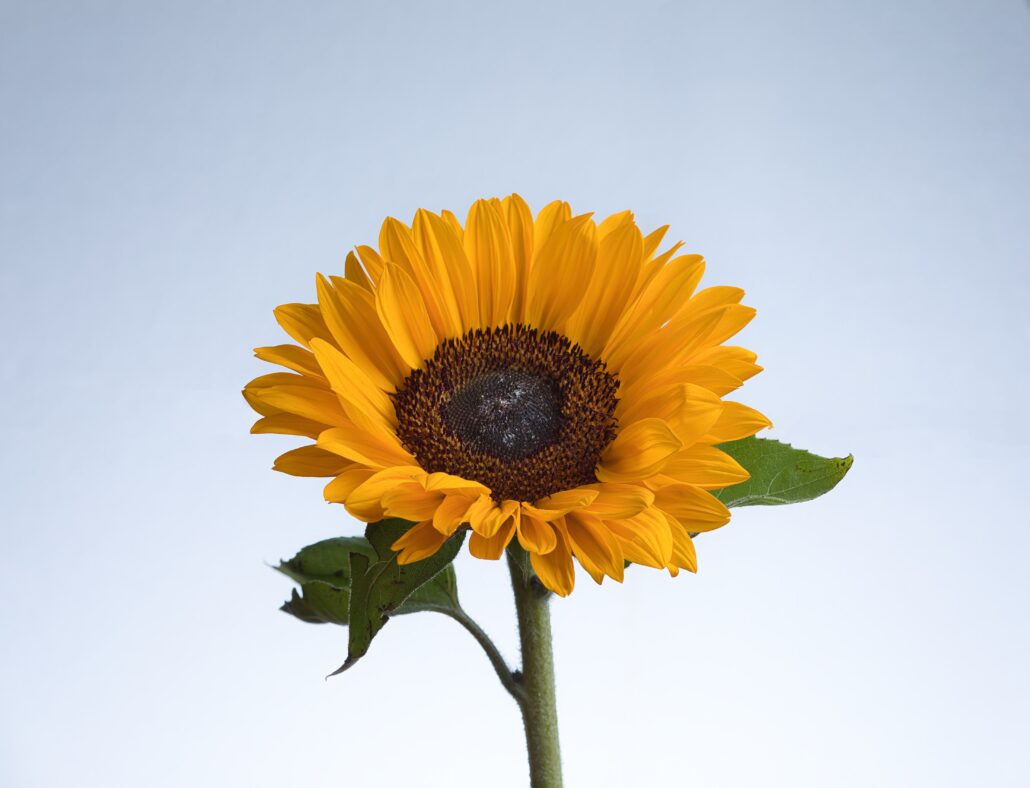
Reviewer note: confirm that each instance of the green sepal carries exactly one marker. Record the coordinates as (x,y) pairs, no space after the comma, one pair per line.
(780,474)
(521,559)
(323,572)
(382,587)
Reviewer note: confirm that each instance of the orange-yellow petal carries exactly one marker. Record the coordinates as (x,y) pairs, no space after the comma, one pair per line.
(555,568)
(302,322)
(309,461)
(617,501)
(488,248)
(596,547)
(520,231)
(350,313)
(451,513)
(609,291)
(706,467)
(338,490)
(645,538)
(288,424)
(376,449)
(535,535)
(366,404)
(403,314)
(418,542)
(366,500)
(561,273)
(638,451)
(291,357)
(490,548)
(696,509)
(737,421)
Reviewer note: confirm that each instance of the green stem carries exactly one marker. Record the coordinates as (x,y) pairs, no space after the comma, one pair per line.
(539,710)
(500,667)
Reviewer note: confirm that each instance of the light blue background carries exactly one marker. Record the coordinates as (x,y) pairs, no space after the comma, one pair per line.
(169,172)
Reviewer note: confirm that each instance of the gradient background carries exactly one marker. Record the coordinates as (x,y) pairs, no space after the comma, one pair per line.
(169,172)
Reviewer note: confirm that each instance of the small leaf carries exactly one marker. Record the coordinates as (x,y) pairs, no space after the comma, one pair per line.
(324,573)
(380,588)
(320,603)
(328,560)
(780,474)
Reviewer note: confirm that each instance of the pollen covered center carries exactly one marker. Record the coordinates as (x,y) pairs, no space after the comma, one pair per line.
(506,413)
(526,413)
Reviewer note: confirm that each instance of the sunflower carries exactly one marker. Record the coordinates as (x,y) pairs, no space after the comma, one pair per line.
(555,380)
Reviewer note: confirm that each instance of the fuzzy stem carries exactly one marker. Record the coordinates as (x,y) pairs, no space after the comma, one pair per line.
(504,673)
(539,710)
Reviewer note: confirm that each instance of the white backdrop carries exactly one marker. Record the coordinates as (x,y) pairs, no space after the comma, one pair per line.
(169,172)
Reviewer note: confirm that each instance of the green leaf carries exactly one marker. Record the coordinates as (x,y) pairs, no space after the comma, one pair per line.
(328,560)
(320,603)
(380,588)
(780,473)
(323,571)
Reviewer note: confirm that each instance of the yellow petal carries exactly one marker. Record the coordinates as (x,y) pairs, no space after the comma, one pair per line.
(683,553)
(520,231)
(660,300)
(488,248)
(596,547)
(536,536)
(615,222)
(445,257)
(291,357)
(419,542)
(350,313)
(616,501)
(547,221)
(353,272)
(365,501)
(689,410)
(403,314)
(736,361)
(410,502)
(733,320)
(619,257)
(695,508)
(338,490)
(366,404)
(302,322)
(309,461)
(451,513)
(554,506)
(288,424)
(377,450)
(638,451)
(494,518)
(398,245)
(653,241)
(561,273)
(667,348)
(490,548)
(645,539)
(252,392)
(482,516)
(716,380)
(373,263)
(447,483)
(706,467)
(555,568)
(316,404)
(737,421)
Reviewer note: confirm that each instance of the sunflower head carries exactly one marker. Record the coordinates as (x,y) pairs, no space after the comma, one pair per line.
(554,380)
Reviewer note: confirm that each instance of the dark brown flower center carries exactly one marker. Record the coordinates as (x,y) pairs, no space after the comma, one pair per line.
(526,413)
